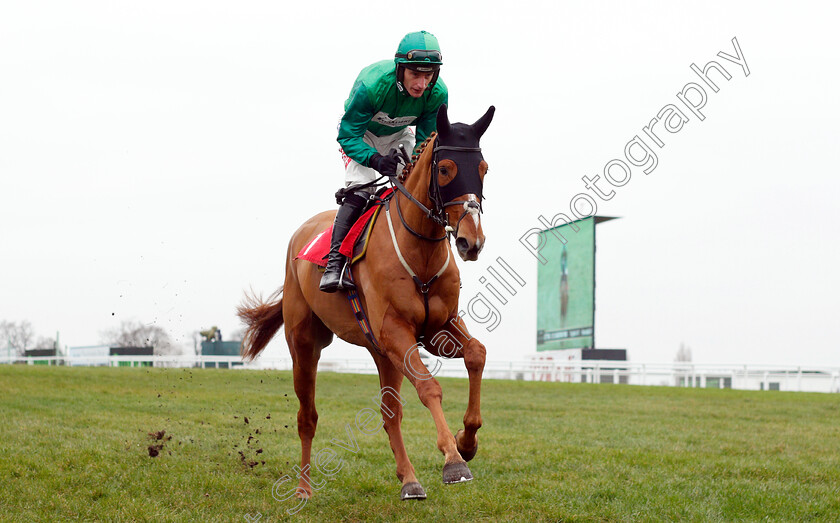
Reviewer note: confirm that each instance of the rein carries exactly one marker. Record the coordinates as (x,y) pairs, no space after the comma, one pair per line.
(353,296)
(438,215)
(438,211)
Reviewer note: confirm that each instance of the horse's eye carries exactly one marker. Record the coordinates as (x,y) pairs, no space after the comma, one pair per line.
(443,171)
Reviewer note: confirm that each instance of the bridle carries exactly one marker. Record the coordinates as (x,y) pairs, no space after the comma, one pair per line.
(441,199)
(438,197)
(468,180)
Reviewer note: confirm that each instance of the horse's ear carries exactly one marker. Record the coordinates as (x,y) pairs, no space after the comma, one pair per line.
(482,123)
(442,121)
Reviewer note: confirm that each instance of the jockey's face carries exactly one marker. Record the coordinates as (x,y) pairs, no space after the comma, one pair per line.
(415,82)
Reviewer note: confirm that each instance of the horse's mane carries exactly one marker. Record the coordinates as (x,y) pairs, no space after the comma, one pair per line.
(414,157)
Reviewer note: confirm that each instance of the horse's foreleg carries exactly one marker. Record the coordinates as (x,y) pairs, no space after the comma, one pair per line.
(390,402)
(398,340)
(459,341)
(474,356)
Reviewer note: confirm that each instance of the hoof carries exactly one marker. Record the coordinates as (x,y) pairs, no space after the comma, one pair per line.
(412,490)
(467,455)
(456,473)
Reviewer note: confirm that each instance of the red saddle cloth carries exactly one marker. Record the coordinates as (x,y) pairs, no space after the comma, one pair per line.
(354,244)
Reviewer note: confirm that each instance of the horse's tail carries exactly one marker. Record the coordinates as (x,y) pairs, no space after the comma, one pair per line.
(262,320)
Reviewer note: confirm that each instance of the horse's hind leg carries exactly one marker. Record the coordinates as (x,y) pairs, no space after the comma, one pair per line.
(390,402)
(306,335)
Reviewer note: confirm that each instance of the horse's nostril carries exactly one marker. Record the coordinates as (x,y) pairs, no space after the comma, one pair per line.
(462,244)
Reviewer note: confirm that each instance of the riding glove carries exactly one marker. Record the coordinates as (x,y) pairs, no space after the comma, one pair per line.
(386,165)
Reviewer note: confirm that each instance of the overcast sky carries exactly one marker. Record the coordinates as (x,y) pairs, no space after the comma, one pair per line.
(155,158)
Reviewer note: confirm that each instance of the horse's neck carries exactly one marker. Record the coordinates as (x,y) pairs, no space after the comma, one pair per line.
(418,185)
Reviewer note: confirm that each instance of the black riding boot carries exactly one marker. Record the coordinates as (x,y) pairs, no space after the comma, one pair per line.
(346,216)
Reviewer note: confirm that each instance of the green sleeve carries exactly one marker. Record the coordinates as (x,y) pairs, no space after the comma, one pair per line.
(353,125)
(427,122)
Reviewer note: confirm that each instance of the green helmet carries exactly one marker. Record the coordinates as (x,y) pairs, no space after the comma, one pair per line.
(418,51)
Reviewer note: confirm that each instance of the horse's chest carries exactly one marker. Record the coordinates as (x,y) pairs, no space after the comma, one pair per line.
(433,313)
(439,310)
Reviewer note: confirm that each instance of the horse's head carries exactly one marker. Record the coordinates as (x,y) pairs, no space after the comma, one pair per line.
(458,170)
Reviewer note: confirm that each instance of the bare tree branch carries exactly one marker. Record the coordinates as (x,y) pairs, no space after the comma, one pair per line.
(133,333)
(18,336)
(683,354)
(238,334)
(46,342)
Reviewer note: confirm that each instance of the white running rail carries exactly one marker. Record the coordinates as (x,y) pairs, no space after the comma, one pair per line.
(743,377)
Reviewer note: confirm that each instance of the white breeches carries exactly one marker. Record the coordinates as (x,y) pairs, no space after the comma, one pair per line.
(357,174)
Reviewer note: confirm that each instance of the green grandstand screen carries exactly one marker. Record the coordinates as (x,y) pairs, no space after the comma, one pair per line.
(566,287)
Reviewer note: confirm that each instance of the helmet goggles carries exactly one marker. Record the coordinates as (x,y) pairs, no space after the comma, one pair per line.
(431,56)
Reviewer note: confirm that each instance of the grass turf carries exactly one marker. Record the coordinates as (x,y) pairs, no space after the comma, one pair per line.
(75,444)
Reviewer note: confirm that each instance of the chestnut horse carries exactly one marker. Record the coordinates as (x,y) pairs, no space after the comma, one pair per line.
(441,197)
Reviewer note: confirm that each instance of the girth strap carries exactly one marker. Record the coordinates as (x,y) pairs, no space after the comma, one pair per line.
(361,318)
(356,302)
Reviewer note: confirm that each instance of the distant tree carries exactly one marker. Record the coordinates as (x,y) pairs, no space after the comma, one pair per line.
(133,333)
(683,354)
(238,334)
(196,338)
(45,342)
(18,336)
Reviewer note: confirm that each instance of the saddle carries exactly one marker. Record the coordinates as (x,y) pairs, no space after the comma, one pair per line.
(355,243)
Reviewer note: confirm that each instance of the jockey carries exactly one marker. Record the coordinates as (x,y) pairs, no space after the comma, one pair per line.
(387,98)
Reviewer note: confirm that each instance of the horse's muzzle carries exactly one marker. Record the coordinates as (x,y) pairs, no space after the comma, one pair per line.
(467,250)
